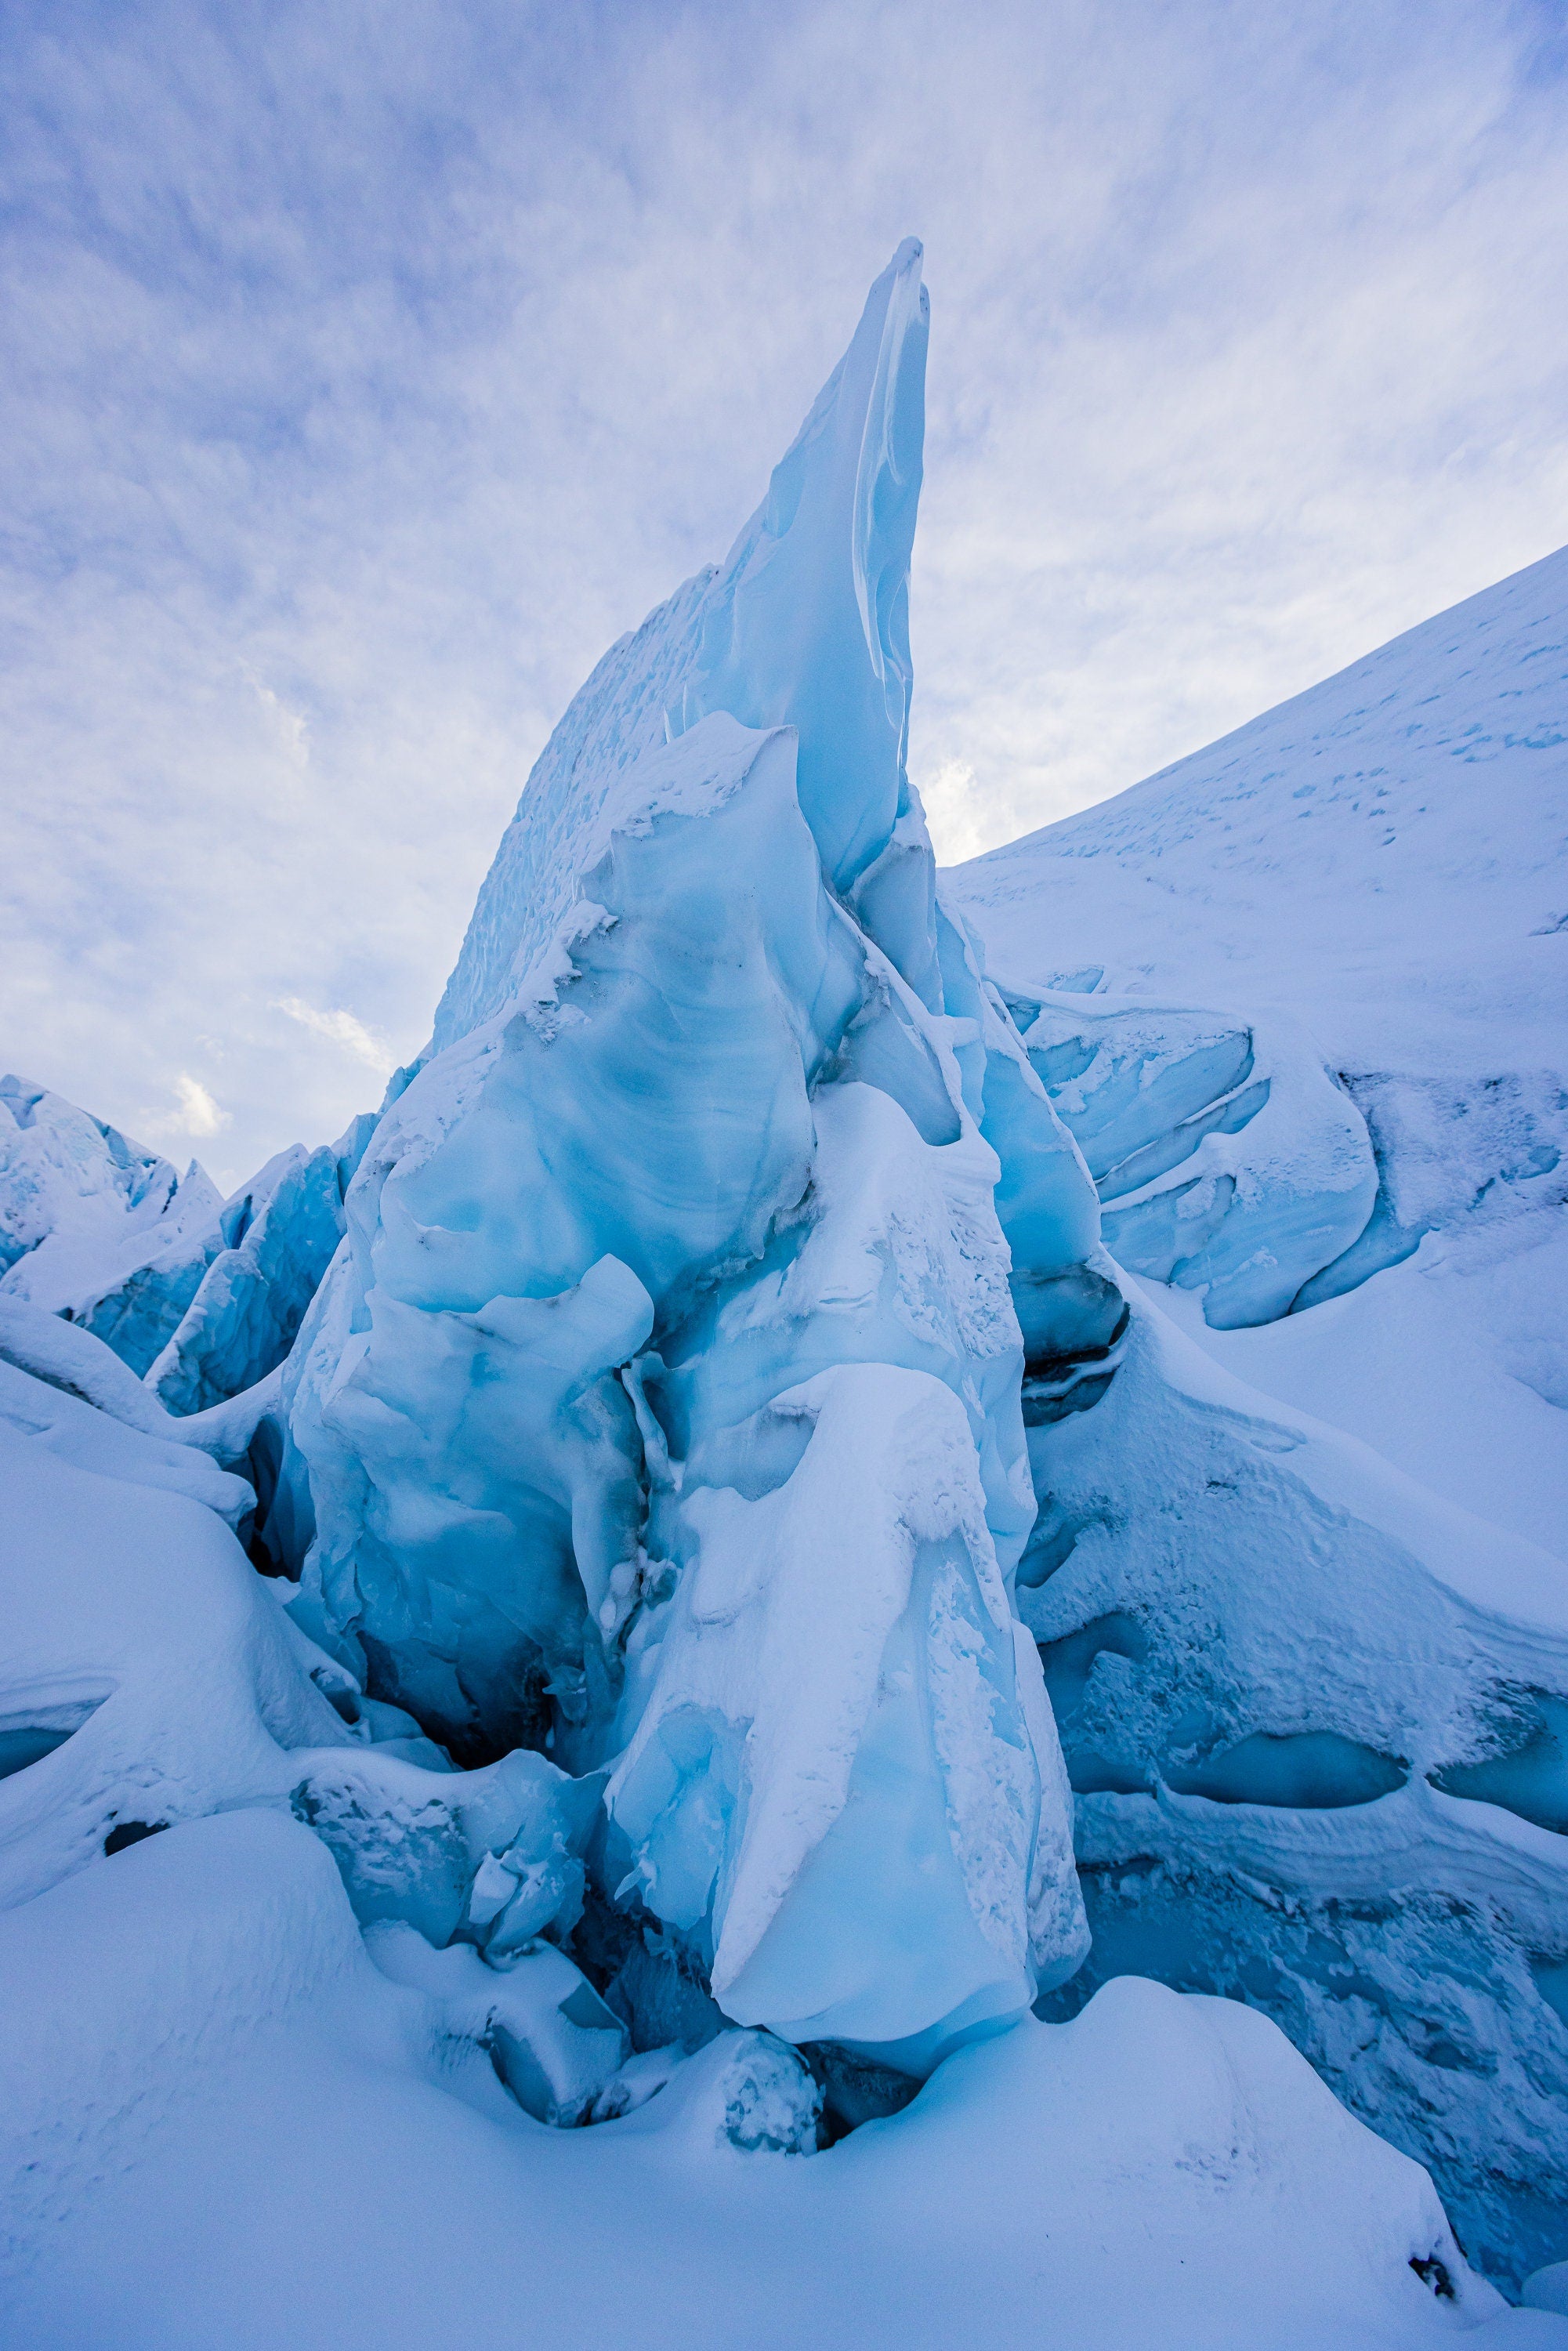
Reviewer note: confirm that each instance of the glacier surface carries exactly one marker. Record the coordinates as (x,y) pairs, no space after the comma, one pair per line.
(532,1638)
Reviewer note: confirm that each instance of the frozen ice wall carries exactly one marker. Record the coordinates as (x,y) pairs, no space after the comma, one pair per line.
(662,1409)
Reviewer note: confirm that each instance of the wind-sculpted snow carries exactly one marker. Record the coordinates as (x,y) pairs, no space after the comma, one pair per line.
(664,1405)
(232,2073)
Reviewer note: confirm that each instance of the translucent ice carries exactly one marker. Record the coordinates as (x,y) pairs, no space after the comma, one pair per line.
(1227,1159)
(663,1407)
(269,1246)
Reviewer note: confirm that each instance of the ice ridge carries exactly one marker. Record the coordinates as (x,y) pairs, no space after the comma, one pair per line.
(663,1406)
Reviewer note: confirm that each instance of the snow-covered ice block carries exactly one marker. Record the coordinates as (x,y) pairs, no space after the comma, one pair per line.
(201,1296)
(1226,1158)
(837,1771)
(76,1197)
(149,1676)
(493,1856)
(551,2039)
(138,1608)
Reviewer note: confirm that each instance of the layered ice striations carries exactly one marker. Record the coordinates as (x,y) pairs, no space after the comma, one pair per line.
(663,1406)
(1226,1158)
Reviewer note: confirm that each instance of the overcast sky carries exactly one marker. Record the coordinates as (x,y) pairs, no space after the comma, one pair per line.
(368,368)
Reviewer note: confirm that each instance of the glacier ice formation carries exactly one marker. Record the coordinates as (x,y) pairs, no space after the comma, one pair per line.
(83,1210)
(663,1403)
(202,1296)
(699,1441)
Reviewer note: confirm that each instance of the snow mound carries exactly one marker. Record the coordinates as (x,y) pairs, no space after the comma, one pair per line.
(230,2074)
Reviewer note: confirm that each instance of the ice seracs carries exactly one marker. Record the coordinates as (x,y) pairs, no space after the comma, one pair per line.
(691,1440)
(664,1404)
(87,1214)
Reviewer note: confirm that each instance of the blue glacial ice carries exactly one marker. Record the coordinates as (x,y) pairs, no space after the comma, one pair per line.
(663,1406)
(262,1259)
(1226,1158)
(199,1295)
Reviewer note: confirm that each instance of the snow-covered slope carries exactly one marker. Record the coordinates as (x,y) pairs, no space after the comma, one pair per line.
(1381,856)
(1303,1000)
(1380,866)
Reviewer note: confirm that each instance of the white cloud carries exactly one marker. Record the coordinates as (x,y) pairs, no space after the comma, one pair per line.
(194,1114)
(343,1029)
(293,733)
(358,395)
(955,812)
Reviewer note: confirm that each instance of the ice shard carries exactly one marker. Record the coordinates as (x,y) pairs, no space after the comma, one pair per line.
(663,1405)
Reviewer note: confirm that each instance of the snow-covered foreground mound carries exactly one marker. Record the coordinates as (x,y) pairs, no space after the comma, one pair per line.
(1304,1000)
(597,1877)
(248,2136)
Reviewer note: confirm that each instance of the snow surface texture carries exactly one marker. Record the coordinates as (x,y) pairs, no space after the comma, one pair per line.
(1302,1000)
(248,2135)
(647,1417)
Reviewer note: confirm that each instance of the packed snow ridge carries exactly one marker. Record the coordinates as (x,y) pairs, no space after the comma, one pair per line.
(534,1637)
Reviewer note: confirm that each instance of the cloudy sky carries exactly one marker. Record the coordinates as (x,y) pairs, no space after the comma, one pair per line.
(368,368)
